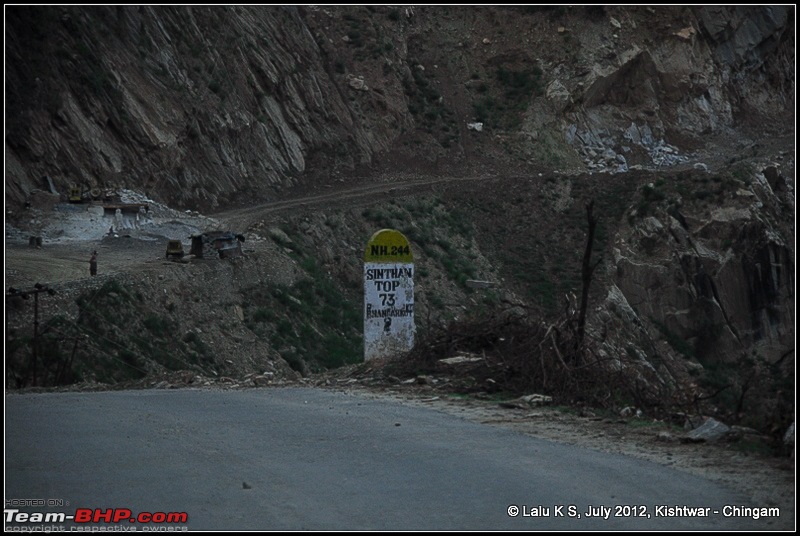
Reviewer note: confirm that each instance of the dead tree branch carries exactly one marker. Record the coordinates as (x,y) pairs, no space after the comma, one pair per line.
(586,274)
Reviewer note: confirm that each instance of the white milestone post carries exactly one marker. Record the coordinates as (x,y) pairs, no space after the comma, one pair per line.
(388,295)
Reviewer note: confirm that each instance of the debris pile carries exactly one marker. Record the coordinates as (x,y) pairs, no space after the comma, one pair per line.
(602,152)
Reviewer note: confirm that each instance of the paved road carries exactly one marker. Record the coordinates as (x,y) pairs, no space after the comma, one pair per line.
(298,459)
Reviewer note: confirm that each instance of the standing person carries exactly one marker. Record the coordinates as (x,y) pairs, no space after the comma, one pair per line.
(93,263)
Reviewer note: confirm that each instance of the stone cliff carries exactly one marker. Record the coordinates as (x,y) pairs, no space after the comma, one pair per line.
(205,107)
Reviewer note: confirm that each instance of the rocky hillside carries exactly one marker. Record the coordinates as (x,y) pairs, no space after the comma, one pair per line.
(480,132)
(205,107)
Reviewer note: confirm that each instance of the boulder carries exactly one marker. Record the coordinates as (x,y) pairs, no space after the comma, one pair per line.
(711,430)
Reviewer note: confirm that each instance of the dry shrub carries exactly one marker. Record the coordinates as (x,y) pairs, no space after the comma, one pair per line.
(521,355)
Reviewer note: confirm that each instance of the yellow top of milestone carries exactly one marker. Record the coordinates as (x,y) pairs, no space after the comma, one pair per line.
(388,245)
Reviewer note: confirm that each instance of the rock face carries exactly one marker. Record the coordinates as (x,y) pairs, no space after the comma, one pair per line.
(700,293)
(720,278)
(204,107)
(193,104)
(634,97)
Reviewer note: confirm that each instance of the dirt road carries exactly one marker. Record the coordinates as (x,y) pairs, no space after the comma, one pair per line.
(346,197)
(58,261)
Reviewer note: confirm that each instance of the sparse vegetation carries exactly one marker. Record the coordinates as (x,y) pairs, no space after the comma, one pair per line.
(427,104)
(117,337)
(311,323)
(675,341)
(520,85)
(503,105)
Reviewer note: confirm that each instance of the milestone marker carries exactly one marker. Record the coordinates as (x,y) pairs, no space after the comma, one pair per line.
(388,295)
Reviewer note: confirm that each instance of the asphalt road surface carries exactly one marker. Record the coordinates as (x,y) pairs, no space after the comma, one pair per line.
(310,459)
